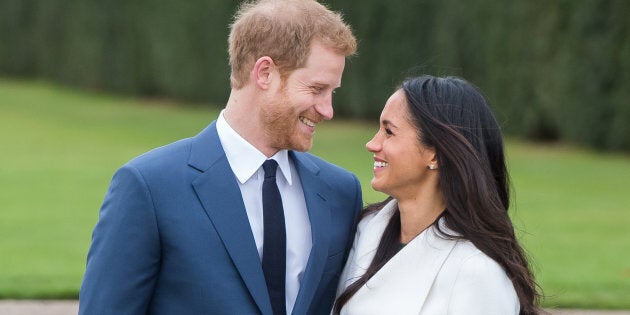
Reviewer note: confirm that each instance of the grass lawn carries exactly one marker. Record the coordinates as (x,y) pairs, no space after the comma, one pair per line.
(59,149)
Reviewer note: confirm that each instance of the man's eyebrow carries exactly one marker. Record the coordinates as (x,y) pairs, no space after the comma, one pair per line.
(324,84)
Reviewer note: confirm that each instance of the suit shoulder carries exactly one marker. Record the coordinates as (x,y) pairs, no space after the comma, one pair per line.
(333,175)
(341,182)
(162,157)
(324,165)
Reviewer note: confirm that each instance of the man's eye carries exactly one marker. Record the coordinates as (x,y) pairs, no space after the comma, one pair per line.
(388,131)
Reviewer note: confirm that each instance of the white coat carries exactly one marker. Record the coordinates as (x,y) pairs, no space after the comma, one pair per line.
(430,275)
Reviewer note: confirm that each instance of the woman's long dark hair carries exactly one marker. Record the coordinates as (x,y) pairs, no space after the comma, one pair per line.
(454,118)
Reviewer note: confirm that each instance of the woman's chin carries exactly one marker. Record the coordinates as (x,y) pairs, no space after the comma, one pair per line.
(376,187)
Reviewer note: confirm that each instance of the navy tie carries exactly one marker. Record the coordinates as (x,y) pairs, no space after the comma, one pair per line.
(274,244)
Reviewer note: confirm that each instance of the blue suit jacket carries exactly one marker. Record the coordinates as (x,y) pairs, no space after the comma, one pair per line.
(173,236)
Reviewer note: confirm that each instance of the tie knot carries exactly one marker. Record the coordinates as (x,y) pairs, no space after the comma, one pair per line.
(270,167)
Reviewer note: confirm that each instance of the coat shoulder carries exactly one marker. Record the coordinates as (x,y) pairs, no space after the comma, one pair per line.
(480,283)
(472,262)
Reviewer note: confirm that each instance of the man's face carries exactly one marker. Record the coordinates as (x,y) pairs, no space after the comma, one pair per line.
(303,100)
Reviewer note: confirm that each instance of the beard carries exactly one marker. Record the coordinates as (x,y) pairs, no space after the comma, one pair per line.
(281,126)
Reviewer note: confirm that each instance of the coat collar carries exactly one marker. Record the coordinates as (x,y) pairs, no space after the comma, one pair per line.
(229,218)
(409,275)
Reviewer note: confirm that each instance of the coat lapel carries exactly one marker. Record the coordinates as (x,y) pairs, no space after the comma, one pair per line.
(409,275)
(220,196)
(367,239)
(315,193)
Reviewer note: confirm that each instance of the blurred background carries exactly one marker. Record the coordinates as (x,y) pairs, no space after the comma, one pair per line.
(86,85)
(554,70)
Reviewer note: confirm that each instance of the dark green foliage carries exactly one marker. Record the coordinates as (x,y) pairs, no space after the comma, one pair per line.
(553,70)
(141,47)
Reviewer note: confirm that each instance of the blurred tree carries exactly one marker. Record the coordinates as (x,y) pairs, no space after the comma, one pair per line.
(552,70)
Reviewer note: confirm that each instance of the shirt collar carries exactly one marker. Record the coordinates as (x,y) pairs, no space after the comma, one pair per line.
(243,157)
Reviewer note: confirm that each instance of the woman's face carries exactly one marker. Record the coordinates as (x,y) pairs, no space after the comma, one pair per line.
(400,161)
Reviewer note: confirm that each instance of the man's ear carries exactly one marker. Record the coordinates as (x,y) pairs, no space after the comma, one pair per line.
(264,70)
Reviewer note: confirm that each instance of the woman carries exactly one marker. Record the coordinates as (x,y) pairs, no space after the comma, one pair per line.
(442,243)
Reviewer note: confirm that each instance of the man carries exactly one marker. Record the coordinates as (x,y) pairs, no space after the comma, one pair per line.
(182,228)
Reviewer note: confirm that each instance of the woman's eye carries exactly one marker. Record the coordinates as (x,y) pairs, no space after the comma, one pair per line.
(388,131)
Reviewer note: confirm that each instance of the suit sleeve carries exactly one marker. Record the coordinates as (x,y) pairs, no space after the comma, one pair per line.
(483,288)
(123,260)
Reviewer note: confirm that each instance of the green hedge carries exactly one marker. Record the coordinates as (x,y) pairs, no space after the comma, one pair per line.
(553,70)
(145,47)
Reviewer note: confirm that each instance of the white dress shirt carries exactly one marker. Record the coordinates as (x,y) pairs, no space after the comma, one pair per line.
(246,163)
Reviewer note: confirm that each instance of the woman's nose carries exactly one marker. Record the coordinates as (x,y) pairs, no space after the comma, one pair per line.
(373,144)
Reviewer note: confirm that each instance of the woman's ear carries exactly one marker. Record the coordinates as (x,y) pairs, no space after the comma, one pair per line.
(263,72)
(433,164)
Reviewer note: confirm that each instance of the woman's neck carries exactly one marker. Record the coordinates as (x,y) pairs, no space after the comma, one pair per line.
(417,214)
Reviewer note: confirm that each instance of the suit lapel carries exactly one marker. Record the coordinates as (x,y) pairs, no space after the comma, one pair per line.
(220,196)
(315,194)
